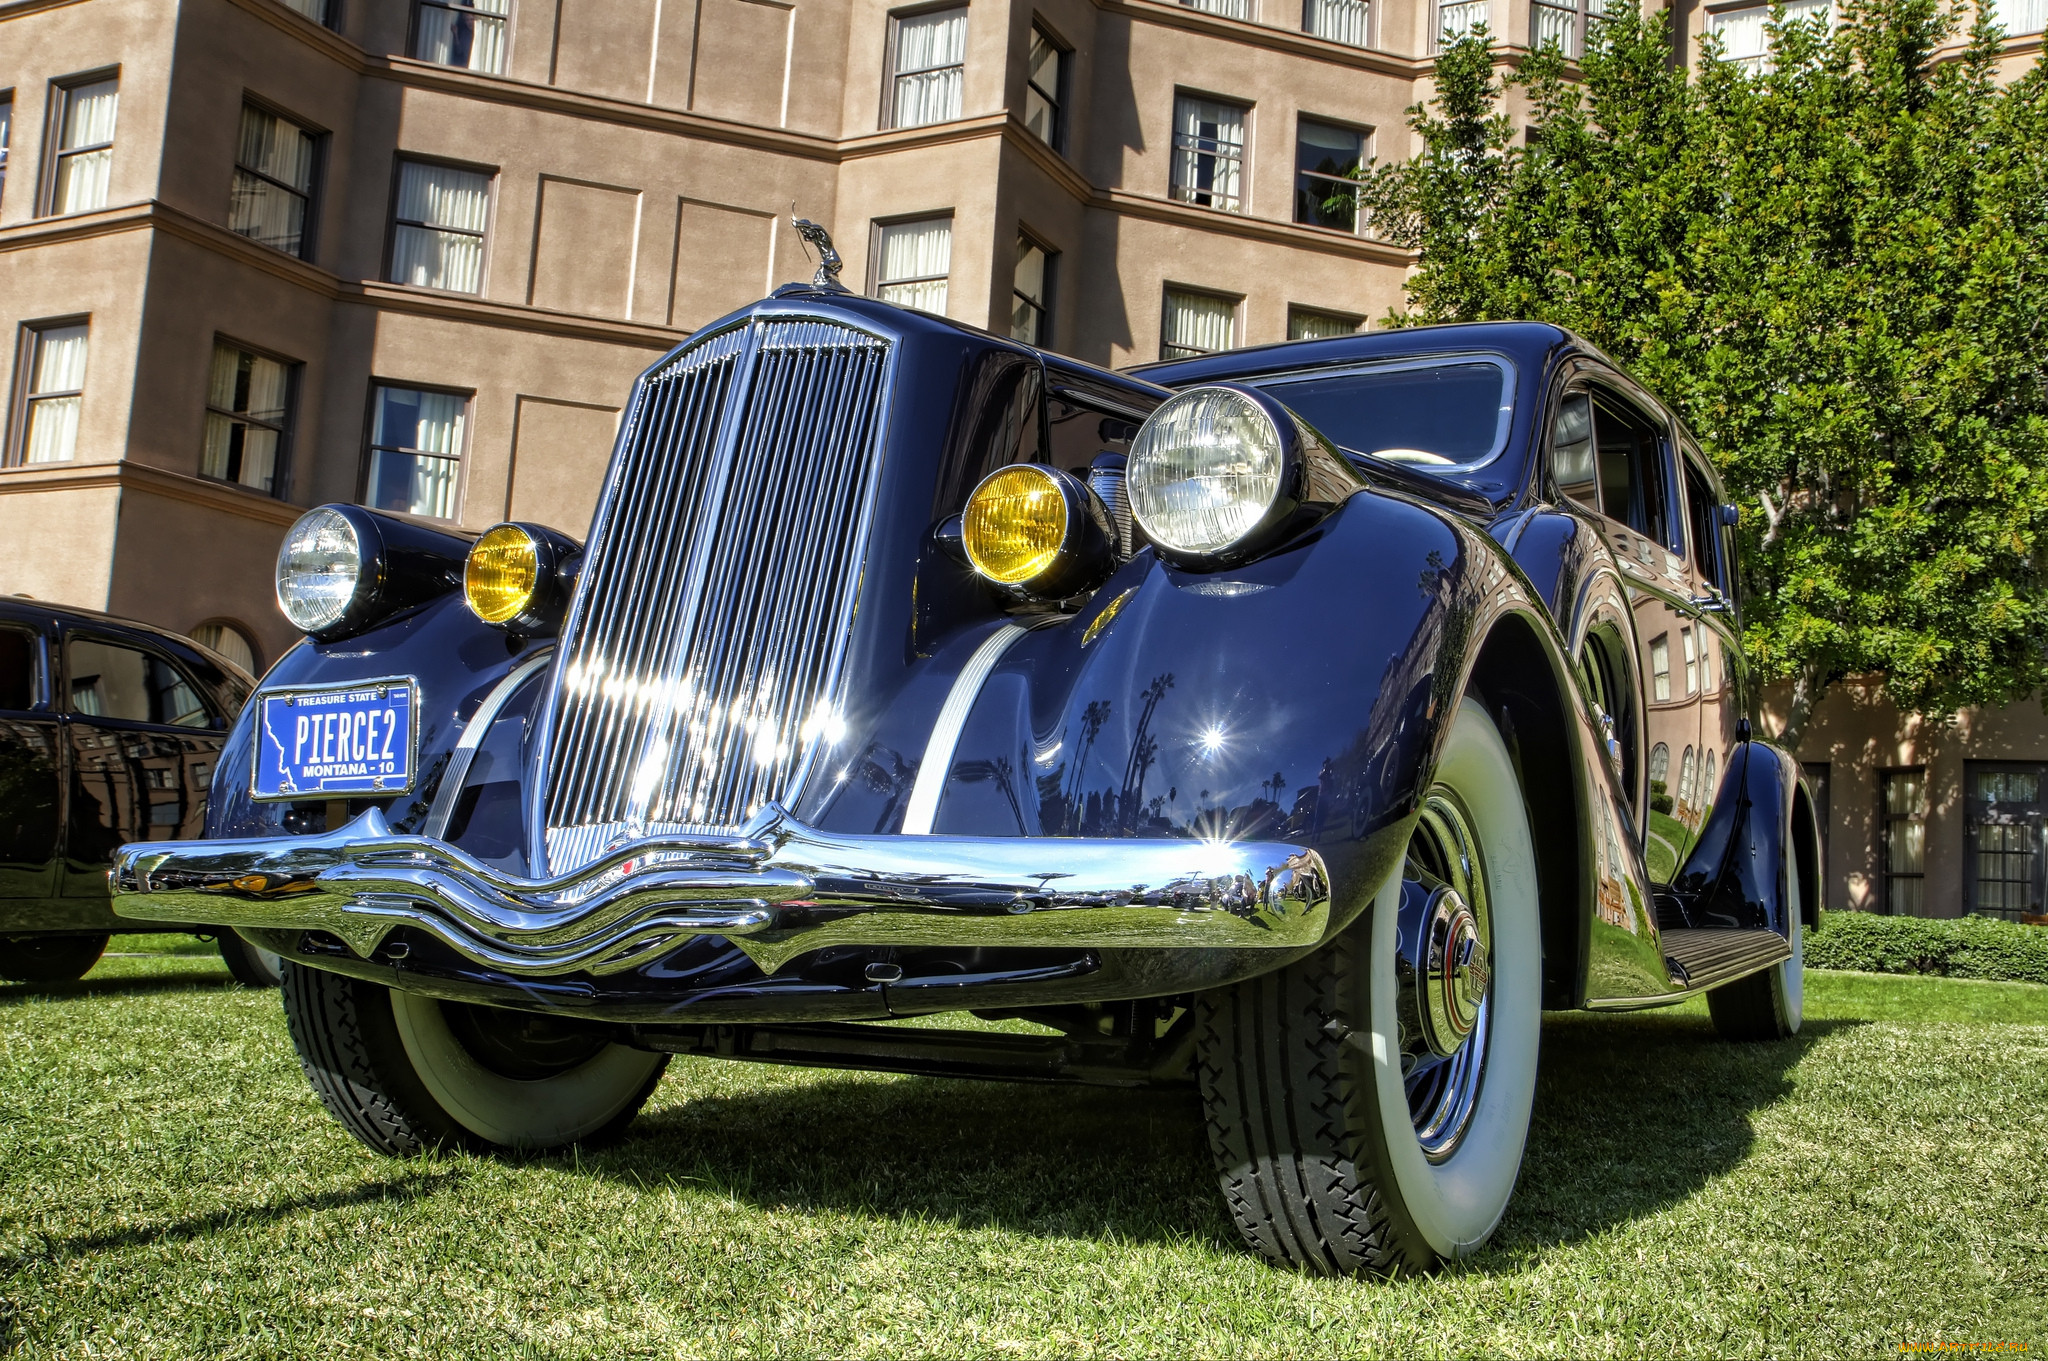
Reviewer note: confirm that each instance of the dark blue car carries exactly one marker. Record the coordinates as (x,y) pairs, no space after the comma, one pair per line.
(1296,722)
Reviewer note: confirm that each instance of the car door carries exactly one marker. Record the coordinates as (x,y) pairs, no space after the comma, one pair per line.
(137,726)
(31,767)
(1613,458)
(1710,554)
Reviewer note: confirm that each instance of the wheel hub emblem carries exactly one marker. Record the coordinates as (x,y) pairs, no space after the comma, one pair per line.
(1454,973)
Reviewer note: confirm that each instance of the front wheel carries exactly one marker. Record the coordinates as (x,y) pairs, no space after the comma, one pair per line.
(1368,1105)
(50,959)
(252,965)
(405,1073)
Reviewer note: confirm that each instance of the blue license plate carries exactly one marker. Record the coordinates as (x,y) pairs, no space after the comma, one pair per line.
(336,741)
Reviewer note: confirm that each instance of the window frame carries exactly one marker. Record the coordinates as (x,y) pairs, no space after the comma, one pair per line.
(1436,11)
(1372,26)
(1179,193)
(370,445)
(1365,136)
(57,112)
(318,173)
(1974,851)
(1050,287)
(280,478)
(1166,292)
(27,348)
(1058,99)
(6,141)
(1885,818)
(329,16)
(1295,309)
(217,719)
(399,160)
(892,70)
(878,231)
(412,34)
(1581,17)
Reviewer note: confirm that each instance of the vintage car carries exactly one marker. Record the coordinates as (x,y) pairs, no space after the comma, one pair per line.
(1297,723)
(109,733)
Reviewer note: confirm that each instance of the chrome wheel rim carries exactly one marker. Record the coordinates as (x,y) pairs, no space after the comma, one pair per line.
(1448,1021)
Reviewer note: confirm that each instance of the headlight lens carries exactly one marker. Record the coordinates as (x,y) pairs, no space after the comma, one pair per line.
(1204,470)
(501,574)
(319,569)
(1015,524)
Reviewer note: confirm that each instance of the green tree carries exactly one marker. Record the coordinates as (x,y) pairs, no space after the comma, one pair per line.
(1836,270)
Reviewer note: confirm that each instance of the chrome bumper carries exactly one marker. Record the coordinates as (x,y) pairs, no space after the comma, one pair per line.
(777,890)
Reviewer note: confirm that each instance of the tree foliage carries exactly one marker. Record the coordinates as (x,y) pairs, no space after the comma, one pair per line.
(1835,269)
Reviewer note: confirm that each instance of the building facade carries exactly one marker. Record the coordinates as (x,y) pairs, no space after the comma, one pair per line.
(256,255)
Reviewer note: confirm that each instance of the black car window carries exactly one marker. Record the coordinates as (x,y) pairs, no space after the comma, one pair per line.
(109,680)
(1607,455)
(1439,416)
(1703,518)
(17,669)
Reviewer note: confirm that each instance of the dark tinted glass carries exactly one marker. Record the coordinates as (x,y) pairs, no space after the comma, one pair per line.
(1703,513)
(111,681)
(1438,416)
(17,669)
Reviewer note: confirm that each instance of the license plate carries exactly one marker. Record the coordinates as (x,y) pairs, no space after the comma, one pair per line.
(336,741)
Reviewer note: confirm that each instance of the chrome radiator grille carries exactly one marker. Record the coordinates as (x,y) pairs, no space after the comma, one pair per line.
(700,669)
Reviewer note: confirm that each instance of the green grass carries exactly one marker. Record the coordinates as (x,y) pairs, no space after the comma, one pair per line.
(169,1187)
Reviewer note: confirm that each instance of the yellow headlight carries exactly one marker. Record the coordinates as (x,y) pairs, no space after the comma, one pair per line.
(1015,524)
(502,573)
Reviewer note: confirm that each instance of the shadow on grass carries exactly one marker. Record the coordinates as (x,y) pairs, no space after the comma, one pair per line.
(1633,1114)
(391,1190)
(185,980)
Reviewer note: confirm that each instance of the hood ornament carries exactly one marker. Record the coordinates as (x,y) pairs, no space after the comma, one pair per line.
(829,263)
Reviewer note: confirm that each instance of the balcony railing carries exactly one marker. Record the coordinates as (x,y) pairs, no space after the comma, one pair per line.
(1454,21)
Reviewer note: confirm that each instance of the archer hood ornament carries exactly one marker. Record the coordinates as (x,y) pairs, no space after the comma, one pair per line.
(829,263)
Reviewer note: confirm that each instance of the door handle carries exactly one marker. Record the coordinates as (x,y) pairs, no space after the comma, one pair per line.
(1711,603)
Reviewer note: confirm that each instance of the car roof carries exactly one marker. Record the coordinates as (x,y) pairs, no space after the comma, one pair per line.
(24,609)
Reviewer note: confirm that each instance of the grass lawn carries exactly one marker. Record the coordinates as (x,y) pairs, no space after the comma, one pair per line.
(170,1187)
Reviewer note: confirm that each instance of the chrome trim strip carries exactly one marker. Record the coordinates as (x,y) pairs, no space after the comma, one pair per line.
(473,734)
(777,890)
(930,785)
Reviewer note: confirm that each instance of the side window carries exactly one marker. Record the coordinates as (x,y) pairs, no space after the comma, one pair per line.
(17,669)
(1703,520)
(1608,456)
(1571,450)
(112,681)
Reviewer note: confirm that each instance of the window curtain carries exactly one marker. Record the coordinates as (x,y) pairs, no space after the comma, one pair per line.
(916,258)
(438,197)
(418,445)
(1229,9)
(1209,150)
(1316,326)
(1747,42)
(2022,16)
(53,421)
(260,209)
(1455,21)
(929,51)
(229,643)
(244,384)
(470,35)
(1197,323)
(89,113)
(1343,21)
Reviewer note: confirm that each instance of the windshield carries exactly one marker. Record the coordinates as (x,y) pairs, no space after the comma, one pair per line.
(1439,415)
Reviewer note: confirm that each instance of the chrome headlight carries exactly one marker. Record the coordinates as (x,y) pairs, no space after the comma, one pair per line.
(1221,471)
(319,570)
(343,568)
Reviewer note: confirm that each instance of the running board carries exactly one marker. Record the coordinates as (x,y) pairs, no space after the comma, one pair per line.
(1703,957)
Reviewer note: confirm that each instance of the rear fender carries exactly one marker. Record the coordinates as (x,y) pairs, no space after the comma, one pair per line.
(1760,832)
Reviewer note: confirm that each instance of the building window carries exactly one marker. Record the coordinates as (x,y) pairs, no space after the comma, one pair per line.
(1903,810)
(1229,9)
(1031,293)
(248,418)
(319,11)
(1747,42)
(415,450)
(1304,324)
(438,230)
(1208,153)
(1564,24)
(85,146)
(465,33)
(2005,829)
(912,262)
(1708,789)
(1341,21)
(1045,91)
(1325,159)
(53,387)
(1456,18)
(6,136)
(1660,667)
(1688,780)
(1692,661)
(273,181)
(925,76)
(2021,16)
(1196,323)
(230,642)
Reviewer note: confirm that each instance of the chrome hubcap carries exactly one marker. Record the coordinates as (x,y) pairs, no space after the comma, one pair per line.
(1445,974)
